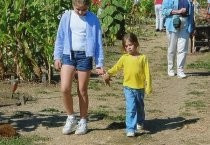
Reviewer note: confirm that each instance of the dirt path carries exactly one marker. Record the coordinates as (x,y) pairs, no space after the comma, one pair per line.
(177,113)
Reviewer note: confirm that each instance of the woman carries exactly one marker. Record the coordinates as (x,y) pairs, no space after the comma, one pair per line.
(78,43)
(179,23)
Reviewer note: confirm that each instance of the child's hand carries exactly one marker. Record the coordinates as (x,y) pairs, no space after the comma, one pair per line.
(106,79)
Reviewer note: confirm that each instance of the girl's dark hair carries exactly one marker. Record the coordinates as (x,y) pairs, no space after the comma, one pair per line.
(130,37)
(85,2)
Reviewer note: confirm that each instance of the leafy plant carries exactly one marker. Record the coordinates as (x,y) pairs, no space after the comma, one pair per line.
(147,8)
(112,19)
(27,32)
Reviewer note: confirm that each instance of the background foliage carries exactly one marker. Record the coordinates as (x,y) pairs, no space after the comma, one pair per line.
(28,29)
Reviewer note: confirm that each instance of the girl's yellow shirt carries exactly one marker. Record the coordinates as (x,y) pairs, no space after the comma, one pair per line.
(136,72)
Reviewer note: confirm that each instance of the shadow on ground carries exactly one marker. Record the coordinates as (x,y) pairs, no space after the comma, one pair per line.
(157,125)
(26,121)
(199,74)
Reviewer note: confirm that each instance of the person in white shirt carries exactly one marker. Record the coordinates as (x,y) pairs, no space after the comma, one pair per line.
(78,43)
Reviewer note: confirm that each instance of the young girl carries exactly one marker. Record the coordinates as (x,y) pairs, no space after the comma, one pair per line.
(136,82)
(78,43)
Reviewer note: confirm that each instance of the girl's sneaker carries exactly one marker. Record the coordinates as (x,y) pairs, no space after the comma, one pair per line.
(140,126)
(130,134)
(70,125)
(81,128)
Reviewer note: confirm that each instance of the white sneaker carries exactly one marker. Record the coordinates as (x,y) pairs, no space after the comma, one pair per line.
(139,126)
(70,125)
(130,134)
(171,73)
(81,128)
(181,75)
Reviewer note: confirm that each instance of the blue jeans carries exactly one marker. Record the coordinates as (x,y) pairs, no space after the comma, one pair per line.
(134,108)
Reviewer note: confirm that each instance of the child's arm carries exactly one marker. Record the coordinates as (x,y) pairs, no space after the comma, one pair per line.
(148,87)
(111,72)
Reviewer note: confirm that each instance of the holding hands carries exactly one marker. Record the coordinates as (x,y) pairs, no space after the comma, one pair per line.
(106,77)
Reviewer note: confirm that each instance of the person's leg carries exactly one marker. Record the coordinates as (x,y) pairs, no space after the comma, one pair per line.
(67,75)
(131,110)
(172,48)
(82,89)
(84,67)
(140,107)
(161,18)
(182,49)
(156,18)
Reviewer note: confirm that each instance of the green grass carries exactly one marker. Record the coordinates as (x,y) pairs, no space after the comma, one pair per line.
(199,104)
(50,110)
(102,113)
(196,93)
(101,99)
(95,85)
(199,65)
(186,114)
(117,118)
(23,140)
(154,111)
(111,95)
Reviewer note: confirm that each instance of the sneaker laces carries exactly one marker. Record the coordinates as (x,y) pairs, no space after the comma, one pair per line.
(69,121)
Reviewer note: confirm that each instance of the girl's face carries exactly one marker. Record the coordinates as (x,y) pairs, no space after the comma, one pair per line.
(130,47)
(80,9)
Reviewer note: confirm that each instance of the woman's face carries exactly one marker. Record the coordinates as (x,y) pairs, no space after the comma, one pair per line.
(80,9)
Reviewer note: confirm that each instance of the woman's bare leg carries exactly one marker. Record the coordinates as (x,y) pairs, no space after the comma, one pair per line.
(67,76)
(82,89)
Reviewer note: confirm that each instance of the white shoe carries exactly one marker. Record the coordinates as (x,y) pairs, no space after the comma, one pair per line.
(181,75)
(171,73)
(139,126)
(70,125)
(130,134)
(81,128)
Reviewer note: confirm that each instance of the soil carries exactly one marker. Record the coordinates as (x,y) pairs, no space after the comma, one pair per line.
(177,112)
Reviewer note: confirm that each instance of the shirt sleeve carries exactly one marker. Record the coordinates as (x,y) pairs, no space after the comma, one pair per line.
(148,87)
(99,51)
(118,66)
(59,42)
(166,8)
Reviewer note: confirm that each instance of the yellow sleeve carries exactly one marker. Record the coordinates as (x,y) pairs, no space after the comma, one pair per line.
(148,87)
(118,66)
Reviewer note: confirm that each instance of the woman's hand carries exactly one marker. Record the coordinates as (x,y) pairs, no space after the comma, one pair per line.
(57,64)
(100,71)
(182,11)
(177,12)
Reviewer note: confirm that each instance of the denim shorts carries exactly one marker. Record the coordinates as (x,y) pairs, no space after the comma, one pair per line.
(78,60)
